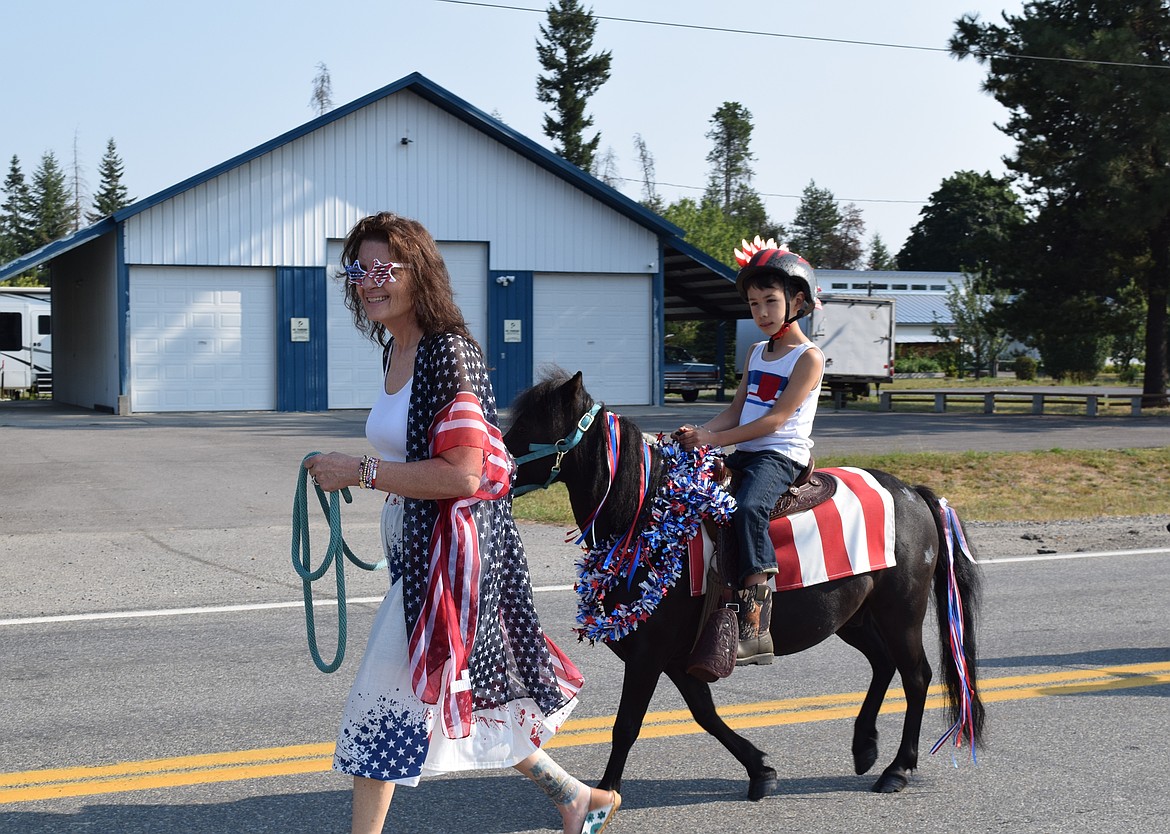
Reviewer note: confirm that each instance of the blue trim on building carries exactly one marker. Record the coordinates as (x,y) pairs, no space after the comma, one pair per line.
(122,289)
(658,327)
(302,372)
(509,298)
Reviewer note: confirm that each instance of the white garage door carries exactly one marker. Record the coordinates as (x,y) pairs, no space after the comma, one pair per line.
(355,362)
(597,324)
(201,339)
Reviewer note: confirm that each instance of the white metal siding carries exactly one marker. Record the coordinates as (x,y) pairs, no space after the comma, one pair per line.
(354,362)
(600,325)
(282,207)
(202,339)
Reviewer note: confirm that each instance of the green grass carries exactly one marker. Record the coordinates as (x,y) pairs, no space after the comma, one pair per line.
(990,486)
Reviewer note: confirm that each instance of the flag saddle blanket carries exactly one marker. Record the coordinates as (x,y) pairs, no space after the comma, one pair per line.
(851,533)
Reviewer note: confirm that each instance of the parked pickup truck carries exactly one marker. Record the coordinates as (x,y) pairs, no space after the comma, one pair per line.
(687,376)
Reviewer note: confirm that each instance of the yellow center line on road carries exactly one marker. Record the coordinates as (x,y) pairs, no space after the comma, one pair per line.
(237,765)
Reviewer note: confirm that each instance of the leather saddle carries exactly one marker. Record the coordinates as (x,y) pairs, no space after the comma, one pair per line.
(808,490)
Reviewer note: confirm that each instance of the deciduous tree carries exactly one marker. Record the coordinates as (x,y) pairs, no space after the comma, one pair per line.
(965,225)
(980,336)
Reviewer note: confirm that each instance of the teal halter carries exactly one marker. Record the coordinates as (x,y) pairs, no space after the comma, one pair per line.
(560,448)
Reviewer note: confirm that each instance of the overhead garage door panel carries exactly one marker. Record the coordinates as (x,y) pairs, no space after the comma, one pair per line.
(355,362)
(202,339)
(597,324)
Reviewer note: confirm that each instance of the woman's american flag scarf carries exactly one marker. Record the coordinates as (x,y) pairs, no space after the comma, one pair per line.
(475,641)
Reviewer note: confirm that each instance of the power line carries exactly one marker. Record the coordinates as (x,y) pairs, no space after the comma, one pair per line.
(789,36)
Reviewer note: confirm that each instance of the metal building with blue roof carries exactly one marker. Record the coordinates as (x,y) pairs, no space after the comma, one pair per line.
(220,292)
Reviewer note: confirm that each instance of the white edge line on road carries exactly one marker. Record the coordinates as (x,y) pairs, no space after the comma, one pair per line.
(1055,557)
(264,606)
(208,609)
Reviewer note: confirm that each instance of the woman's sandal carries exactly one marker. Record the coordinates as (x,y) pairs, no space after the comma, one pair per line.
(597,820)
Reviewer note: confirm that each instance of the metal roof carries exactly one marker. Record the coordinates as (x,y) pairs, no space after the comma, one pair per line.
(920,308)
(58,247)
(695,284)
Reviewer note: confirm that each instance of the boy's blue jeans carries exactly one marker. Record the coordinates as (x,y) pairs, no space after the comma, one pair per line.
(764,476)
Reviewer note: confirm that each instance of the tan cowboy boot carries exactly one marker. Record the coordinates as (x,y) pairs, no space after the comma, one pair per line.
(755,620)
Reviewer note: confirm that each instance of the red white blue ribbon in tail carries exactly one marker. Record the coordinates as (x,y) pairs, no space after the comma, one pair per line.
(966,720)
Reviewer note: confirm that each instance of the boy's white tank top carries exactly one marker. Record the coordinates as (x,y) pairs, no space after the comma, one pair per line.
(766,380)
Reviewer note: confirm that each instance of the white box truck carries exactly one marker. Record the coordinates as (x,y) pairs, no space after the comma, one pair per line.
(26,352)
(856,334)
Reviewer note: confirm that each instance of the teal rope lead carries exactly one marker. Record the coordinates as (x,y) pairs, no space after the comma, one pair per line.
(331,507)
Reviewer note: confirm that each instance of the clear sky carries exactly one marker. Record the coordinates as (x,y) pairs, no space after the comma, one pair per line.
(183,87)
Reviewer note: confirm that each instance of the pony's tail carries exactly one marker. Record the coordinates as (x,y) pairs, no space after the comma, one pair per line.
(958,588)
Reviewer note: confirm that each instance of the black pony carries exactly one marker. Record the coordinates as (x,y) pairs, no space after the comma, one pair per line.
(880,613)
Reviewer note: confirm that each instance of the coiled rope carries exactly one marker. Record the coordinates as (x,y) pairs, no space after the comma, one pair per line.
(331,507)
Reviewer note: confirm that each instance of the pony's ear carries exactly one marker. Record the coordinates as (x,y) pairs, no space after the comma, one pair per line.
(573,389)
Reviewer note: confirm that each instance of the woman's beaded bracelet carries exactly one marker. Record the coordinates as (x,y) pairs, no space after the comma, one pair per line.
(367,472)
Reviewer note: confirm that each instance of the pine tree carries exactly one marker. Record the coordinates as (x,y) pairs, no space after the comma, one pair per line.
(730,183)
(111,194)
(880,258)
(828,235)
(52,217)
(16,215)
(77,187)
(816,221)
(1092,141)
(573,76)
(651,199)
(322,98)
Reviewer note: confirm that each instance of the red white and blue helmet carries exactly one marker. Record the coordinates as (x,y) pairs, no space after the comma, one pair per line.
(765,256)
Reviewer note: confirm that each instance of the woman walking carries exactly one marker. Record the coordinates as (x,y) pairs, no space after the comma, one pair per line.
(458,673)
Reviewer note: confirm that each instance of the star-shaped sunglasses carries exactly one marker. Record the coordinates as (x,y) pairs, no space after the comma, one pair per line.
(379,273)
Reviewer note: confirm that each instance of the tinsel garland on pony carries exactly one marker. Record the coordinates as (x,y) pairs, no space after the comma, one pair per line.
(688,494)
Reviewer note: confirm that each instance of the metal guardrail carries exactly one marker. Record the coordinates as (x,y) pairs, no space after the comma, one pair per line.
(989,399)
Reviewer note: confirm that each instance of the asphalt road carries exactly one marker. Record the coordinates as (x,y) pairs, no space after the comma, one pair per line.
(185,516)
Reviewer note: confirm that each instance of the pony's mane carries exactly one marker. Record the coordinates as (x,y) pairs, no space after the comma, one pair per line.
(552,377)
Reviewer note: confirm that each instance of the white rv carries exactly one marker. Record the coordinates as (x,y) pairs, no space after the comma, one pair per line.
(26,355)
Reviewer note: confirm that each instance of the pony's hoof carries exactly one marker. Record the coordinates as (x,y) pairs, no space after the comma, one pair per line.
(891,782)
(864,759)
(762,785)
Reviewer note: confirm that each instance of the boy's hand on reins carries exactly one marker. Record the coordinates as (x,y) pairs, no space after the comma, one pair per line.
(688,436)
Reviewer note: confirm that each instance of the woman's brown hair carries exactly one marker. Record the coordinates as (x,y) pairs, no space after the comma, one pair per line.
(411,244)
